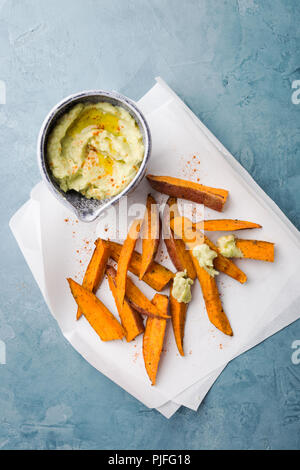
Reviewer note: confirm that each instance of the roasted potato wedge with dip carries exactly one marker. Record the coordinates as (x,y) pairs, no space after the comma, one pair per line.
(151,234)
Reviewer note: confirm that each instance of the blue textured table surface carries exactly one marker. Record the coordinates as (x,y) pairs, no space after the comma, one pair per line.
(233,62)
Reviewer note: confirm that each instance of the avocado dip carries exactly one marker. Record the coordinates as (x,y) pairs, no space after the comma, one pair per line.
(96,149)
(227,247)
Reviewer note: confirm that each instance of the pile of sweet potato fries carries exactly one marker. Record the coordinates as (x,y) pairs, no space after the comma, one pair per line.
(180,235)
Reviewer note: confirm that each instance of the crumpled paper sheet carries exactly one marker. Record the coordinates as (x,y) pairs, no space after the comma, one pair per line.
(256,310)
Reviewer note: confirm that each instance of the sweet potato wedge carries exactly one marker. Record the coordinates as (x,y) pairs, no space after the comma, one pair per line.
(136,298)
(154,337)
(178,313)
(256,249)
(98,316)
(157,276)
(96,269)
(225,225)
(179,255)
(130,319)
(150,233)
(184,227)
(212,300)
(214,198)
(125,256)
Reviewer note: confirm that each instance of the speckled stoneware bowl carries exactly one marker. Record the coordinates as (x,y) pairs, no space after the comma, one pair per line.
(85,209)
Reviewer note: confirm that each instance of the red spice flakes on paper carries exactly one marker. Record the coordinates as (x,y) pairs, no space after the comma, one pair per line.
(66,220)
(79,275)
(161,256)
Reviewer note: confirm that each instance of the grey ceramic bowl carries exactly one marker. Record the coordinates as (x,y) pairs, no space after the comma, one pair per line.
(85,209)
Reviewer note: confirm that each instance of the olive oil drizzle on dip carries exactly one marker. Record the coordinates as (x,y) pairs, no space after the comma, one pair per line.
(96,149)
